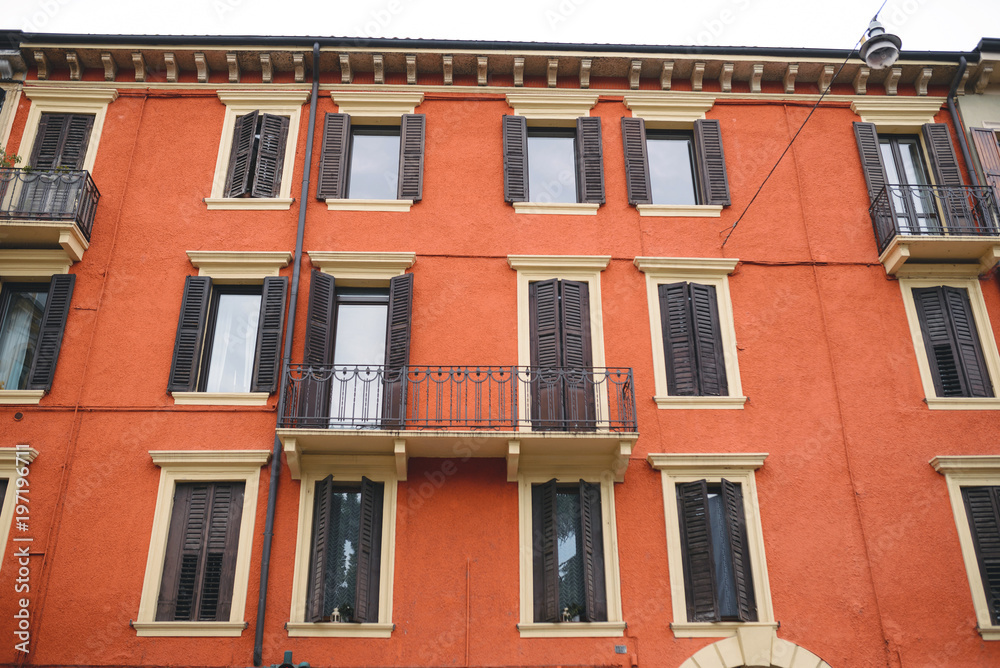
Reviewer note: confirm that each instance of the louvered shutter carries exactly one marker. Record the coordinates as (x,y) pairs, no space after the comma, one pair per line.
(269,325)
(322,522)
(48,141)
(577,356)
(982,505)
(50,332)
(411,157)
(589,160)
(369,553)
(270,155)
(871,158)
(545,554)
(241,156)
(952,342)
(592,538)
(515,159)
(190,334)
(331,182)
(678,339)
(711,162)
(732,502)
(707,338)
(74,147)
(546,355)
(397,351)
(314,388)
(696,547)
(970,351)
(3,488)
(947,173)
(988,150)
(636,161)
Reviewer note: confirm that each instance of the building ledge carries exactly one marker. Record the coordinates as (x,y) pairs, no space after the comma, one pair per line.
(220,398)
(245,203)
(557,208)
(189,629)
(963,403)
(940,255)
(21,396)
(35,233)
(572,630)
(700,402)
(328,630)
(680,210)
(387,205)
(716,629)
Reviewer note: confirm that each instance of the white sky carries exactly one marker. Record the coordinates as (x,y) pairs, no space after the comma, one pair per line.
(923,25)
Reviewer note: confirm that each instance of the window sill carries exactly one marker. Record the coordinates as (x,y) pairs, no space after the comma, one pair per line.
(189,629)
(572,630)
(990,632)
(680,210)
(21,396)
(716,629)
(279,203)
(700,402)
(963,404)
(220,398)
(557,208)
(369,204)
(328,630)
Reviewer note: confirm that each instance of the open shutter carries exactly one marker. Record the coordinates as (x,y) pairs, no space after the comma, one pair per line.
(397,351)
(696,546)
(270,155)
(577,356)
(322,521)
(190,333)
(708,341)
(982,505)
(74,147)
(636,161)
(411,157)
(969,349)
(546,355)
(48,141)
(589,160)
(732,502)
(545,556)
(272,317)
(241,156)
(50,332)
(988,151)
(678,339)
(331,183)
(314,388)
(369,552)
(515,159)
(947,173)
(711,162)
(871,158)
(592,532)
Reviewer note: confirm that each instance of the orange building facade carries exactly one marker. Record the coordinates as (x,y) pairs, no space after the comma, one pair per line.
(414,353)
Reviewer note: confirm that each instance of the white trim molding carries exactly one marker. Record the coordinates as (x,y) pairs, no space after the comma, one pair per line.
(754,645)
(680,210)
(552,108)
(362,268)
(897,114)
(557,208)
(376,107)
(220,398)
(669,110)
(12,463)
(10,104)
(384,205)
(239,266)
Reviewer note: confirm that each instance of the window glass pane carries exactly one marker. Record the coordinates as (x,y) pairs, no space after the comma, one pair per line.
(551,169)
(234,343)
(670,170)
(359,352)
(374,166)
(570,550)
(341,553)
(725,578)
(909,151)
(22,317)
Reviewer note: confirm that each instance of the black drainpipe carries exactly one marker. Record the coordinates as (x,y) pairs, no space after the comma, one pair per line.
(272,491)
(956,120)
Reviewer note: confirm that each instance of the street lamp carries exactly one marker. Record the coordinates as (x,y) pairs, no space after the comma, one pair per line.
(880,49)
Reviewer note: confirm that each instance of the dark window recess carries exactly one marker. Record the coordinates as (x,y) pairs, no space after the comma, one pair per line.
(568,553)
(988,150)
(718,579)
(954,351)
(61,141)
(32,322)
(3,492)
(692,340)
(346,553)
(199,566)
(982,505)
(363,162)
(257,155)
(553,164)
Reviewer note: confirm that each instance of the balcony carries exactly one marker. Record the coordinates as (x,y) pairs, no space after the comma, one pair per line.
(520,413)
(951,225)
(47,209)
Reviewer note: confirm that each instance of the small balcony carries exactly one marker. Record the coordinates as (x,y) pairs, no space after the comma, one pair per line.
(919,225)
(47,209)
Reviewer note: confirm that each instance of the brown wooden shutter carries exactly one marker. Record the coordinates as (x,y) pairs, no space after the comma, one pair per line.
(636,161)
(696,547)
(323,520)
(592,533)
(190,334)
(515,159)
(988,150)
(711,162)
(952,342)
(411,157)
(546,354)
(50,332)
(545,555)
(331,183)
(270,155)
(970,351)
(397,351)
(947,173)
(708,341)
(871,158)
(577,355)
(74,148)
(314,388)
(269,325)
(982,505)
(589,160)
(3,492)
(678,339)
(241,156)
(369,553)
(732,502)
(48,141)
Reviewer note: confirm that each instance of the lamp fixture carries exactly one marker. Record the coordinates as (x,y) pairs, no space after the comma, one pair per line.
(880,49)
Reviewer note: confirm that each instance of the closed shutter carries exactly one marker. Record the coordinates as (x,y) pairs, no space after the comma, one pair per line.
(270,155)
(711,162)
(696,547)
(592,533)
(241,156)
(636,161)
(272,317)
(50,332)
(732,502)
(871,158)
(988,150)
(74,148)
(411,157)
(61,141)
(982,505)
(678,340)
(577,358)
(952,342)
(331,182)
(546,354)
(545,555)
(190,334)
(369,554)
(324,516)
(397,351)
(314,388)
(589,160)
(947,173)
(708,341)
(970,352)
(515,159)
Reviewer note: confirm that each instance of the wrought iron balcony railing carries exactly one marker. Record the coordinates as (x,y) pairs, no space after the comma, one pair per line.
(49,196)
(458,398)
(934,210)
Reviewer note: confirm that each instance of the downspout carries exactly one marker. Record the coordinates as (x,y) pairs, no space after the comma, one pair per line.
(956,120)
(272,491)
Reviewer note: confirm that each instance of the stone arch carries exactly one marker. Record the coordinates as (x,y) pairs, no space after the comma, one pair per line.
(754,648)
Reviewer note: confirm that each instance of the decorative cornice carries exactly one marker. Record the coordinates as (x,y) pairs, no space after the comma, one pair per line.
(238,264)
(679,463)
(985,464)
(545,105)
(377,104)
(226,459)
(561,262)
(362,266)
(69,94)
(686,265)
(269,97)
(890,113)
(668,108)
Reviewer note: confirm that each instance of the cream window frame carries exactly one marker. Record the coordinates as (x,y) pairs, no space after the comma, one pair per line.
(737,468)
(344,468)
(12,462)
(66,100)
(706,271)
(10,104)
(986,340)
(286,103)
(200,466)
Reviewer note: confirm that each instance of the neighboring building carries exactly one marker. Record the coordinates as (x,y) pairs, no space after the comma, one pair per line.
(545,405)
